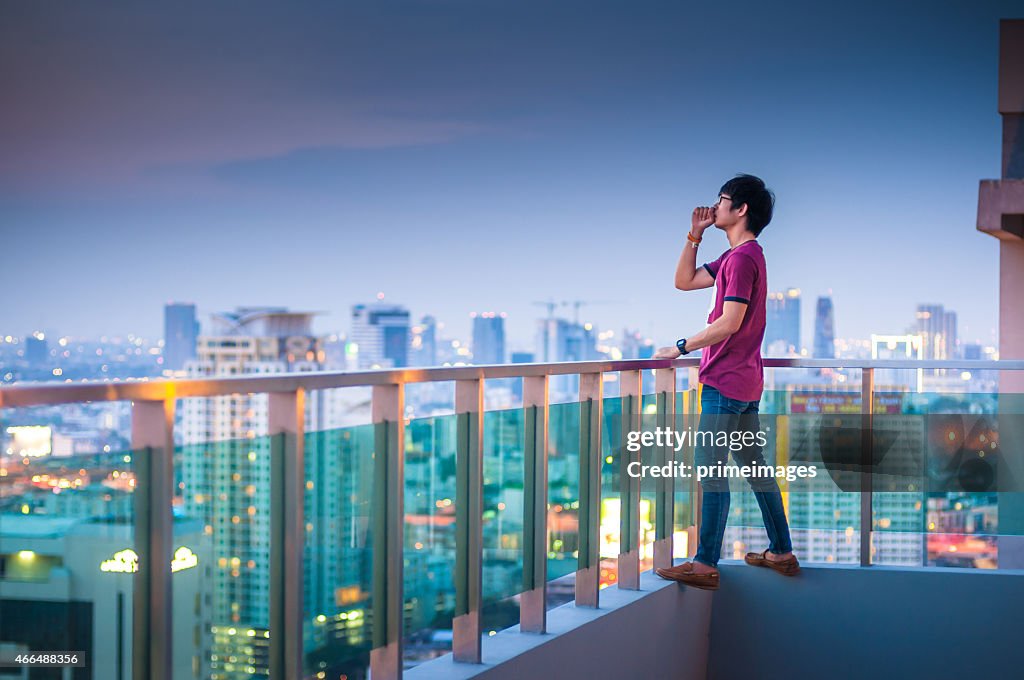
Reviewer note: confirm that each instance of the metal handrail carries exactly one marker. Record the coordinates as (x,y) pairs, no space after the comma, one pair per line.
(144,389)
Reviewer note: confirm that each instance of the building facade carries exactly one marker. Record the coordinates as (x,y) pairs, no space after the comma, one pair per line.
(382,335)
(488,338)
(73,576)
(181,330)
(782,326)
(824,329)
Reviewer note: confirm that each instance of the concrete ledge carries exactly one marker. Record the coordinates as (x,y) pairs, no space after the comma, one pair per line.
(841,622)
(1001,208)
(659,631)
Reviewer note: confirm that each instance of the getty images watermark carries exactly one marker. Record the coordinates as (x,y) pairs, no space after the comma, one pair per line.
(734,441)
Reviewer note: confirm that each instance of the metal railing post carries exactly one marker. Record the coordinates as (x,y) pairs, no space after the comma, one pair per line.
(153,457)
(867,407)
(286,426)
(388,415)
(469,410)
(533,605)
(665,497)
(588,571)
(629,487)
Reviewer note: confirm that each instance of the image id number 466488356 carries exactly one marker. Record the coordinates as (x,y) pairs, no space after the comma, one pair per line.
(13,658)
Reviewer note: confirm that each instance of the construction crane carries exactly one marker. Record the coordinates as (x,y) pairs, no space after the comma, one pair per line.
(550,304)
(576,304)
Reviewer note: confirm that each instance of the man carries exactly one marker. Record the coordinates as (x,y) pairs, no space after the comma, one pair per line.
(731,373)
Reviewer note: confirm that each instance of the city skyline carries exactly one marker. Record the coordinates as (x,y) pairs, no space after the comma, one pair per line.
(503,169)
(778,326)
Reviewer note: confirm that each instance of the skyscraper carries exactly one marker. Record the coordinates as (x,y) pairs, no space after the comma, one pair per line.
(488,338)
(782,330)
(635,346)
(424,342)
(180,332)
(824,329)
(562,340)
(381,332)
(937,328)
(522,357)
(37,350)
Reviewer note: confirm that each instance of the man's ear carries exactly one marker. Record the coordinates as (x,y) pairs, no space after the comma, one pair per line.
(742,210)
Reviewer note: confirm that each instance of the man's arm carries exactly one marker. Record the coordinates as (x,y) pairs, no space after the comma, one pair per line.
(688,276)
(719,329)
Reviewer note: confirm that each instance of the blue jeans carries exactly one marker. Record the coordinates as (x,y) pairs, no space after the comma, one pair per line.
(719,413)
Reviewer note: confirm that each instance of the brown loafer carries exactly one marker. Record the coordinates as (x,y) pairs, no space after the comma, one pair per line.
(684,574)
(786,567)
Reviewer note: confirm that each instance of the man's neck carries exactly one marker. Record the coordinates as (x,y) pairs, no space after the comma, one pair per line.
(739,234)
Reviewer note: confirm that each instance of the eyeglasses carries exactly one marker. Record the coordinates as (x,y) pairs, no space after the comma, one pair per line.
(721,196)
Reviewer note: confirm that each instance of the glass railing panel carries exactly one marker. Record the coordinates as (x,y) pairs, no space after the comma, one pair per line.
(223,488)
(685,488)
(949,483)
(502,518)
(816,428)
(648,485)
(563,501)
(823,511)
(612,441)
(429,552)
(337,566)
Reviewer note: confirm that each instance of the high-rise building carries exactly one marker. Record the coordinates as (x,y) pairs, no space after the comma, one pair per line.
(973,352)
(488,338)
(562,340)
(937,328)
(635,346)
(782,329)
(37,351)
(226,479)
(424,342)
(180,333)
(824,329)
(381,333)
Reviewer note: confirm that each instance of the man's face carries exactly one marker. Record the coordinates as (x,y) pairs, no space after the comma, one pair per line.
(725,215)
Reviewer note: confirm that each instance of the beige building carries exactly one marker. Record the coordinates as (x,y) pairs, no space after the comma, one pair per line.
(76,574)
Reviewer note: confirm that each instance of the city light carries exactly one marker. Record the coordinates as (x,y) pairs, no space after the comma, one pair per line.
(127,561)
(30,440)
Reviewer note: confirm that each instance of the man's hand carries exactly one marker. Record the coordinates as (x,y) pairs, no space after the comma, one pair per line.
(703,217)
(668,353)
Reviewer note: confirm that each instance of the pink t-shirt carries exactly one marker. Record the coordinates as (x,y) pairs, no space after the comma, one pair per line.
(733,366)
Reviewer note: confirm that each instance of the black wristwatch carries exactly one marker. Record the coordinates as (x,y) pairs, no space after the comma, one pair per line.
(681,344)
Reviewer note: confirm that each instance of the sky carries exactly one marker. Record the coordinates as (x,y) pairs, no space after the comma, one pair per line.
(469,156)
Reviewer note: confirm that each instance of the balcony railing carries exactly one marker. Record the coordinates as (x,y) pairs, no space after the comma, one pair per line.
(153,411)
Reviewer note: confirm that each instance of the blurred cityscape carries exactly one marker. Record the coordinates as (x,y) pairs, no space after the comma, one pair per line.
(66,474)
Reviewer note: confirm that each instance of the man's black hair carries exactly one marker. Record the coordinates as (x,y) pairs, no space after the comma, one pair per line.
(759,199)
